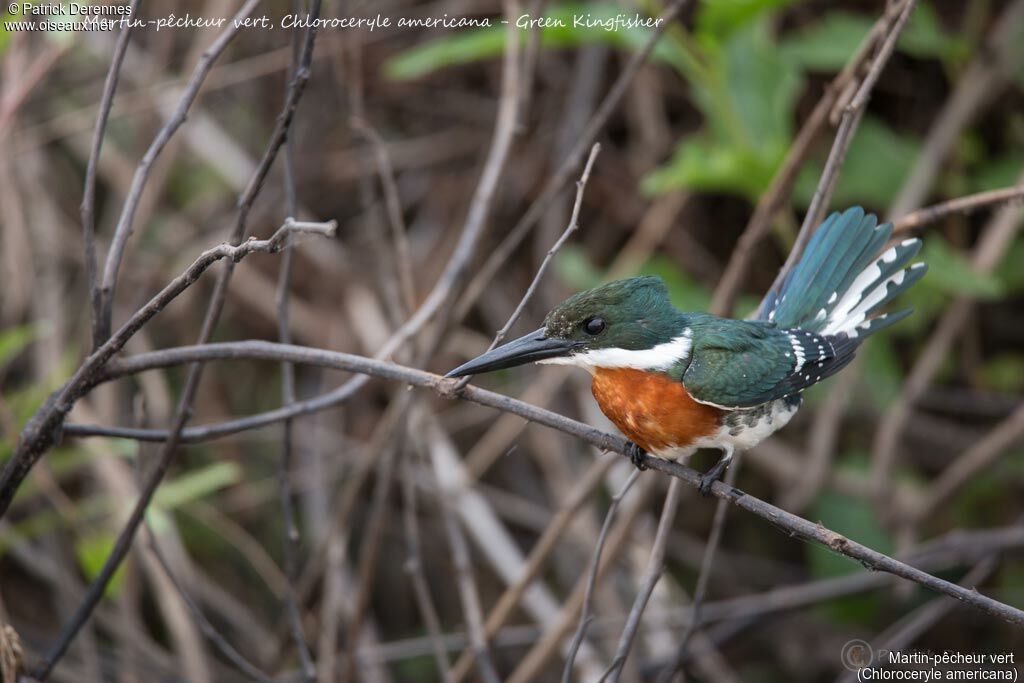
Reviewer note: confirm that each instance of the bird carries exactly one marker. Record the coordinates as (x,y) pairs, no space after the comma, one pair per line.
(673,382)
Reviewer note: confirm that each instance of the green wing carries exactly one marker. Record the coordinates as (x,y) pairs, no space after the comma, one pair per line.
(741,364)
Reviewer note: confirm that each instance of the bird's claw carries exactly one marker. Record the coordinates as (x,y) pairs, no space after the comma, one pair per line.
(636,455)
(709,478)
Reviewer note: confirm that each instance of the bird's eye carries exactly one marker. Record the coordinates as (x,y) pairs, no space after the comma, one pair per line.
(594,326)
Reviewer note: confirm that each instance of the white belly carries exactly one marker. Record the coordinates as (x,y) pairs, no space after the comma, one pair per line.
(744,429)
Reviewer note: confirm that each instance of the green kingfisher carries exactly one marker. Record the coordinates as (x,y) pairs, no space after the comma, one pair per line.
(674,382)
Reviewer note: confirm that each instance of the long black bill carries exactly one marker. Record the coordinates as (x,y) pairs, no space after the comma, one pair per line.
(527,349)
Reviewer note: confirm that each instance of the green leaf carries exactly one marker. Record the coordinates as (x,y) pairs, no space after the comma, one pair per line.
(574,267)
(924,37)
(747,103)
(13,341)
(828,44)
(1009,274)
(878,161)
(950,272)
(720,18)
(1004,372)
(92,552)
(5,35)
(197,484)
(762,88)
(700,163)
(461,48)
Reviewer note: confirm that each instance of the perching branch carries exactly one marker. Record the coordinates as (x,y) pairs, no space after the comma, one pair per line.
(785,521)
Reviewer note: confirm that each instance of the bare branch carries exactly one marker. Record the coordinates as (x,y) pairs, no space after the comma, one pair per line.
(706,565)
(968,204)
(655,568)
(468,592)
(44,429)
(978,457)
(789,523)
(851,116)
(501,253)
(290,541)
(774,198)
(125,222)
(544,546)
(581,186)
(209,630)
(595,563)
(89,191)
(414,568)
(988,252)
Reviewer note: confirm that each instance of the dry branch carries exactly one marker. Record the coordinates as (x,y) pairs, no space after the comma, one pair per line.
(968,204)
(787,522)
(125,223)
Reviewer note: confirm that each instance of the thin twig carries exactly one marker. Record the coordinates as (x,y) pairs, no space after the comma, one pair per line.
(792,524)
(125,222)
(774,198)
(706,566)
(209,630)
(653,572)
(183,410)
(13,474)
(440,295)
(444,285)
(561,176)
(965,466)
(988,74)
(369,550)
(468,593)
(967,204)
(903,633)
(581,186)
(291,538)
(951,551)
(414,567)
(88,207)
(44,429)
(595,563)
(393,204)
(987,254)
(544,546)
(851,117)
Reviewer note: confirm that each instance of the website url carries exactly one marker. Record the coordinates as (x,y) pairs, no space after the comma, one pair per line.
(91,24)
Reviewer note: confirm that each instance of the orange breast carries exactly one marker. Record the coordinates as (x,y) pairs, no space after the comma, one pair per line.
(653,411)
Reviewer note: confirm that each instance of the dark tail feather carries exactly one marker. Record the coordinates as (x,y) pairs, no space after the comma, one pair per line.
(841,279)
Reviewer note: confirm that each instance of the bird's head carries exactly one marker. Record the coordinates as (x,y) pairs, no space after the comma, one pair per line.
(626,323)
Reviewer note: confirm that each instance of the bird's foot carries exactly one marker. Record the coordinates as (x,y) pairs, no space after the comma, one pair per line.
(636,455)
(708,479)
